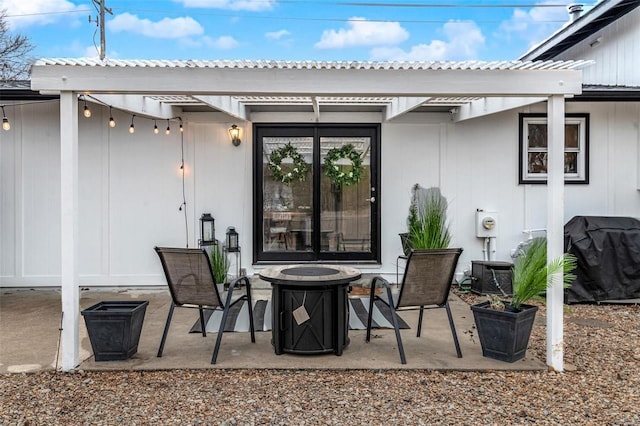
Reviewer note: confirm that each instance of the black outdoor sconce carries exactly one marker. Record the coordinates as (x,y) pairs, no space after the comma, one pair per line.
(234,134)
(232,240)
(207,230)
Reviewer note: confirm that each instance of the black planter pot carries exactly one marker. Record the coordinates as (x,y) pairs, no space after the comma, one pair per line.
(504,335)
(114,328)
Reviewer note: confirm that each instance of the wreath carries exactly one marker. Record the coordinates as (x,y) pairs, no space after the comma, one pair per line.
(334,172)
(299,166)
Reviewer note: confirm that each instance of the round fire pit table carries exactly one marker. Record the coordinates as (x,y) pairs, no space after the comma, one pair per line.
(310,312)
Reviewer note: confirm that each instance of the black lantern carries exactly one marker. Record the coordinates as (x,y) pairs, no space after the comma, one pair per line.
(207,230)
(232,240)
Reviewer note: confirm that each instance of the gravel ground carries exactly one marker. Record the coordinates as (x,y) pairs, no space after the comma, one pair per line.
(601,386)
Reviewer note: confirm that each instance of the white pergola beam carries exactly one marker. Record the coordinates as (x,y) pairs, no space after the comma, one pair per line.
(139,105)
(305,82)
(226,104)
(555,229)
(316,107)
(486,106)
(403,105)
(70,294)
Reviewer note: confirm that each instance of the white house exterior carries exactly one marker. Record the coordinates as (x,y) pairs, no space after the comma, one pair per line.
(83,204)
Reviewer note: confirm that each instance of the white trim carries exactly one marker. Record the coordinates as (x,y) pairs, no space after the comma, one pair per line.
(69,229)
(555,230)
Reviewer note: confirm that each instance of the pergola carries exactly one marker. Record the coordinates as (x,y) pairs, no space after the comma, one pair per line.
(166,89)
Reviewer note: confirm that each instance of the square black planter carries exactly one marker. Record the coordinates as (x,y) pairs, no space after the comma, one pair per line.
(504,335)
(114,328)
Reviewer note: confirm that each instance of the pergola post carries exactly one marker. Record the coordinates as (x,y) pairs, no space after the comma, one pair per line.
(555,228)
(69,229)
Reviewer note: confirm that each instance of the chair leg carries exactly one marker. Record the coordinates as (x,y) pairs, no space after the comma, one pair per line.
(396,327)
(372,298)
(250,305)
(202,325)
(166,329)
(453,330)
(223,322)
(420,321)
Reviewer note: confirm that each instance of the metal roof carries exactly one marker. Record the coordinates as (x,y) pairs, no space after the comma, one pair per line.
(601,15)
(345,65)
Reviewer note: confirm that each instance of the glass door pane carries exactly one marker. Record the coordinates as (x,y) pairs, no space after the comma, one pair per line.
(287,194)
(345,194)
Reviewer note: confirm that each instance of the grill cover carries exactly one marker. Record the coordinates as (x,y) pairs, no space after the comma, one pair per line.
(608,253)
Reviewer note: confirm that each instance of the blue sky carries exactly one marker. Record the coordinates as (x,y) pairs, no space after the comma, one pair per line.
(380,30)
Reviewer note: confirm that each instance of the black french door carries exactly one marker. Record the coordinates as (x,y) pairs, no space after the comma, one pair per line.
(316,193)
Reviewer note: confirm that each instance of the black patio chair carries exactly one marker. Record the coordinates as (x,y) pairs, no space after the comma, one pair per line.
(191,284)
(425,285)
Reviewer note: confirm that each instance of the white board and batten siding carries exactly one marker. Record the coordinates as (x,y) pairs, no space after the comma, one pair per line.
(615,50)
(130,187)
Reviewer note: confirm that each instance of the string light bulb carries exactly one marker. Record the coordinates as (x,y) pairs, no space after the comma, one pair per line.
(155,127)
(112,122)
(181,128)
(132,128)
(168,131)
(5,121)
(87,111)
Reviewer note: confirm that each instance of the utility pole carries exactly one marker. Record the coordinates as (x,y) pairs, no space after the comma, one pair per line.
(100,22)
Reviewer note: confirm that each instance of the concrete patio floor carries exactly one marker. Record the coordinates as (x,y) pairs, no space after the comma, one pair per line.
(30,321)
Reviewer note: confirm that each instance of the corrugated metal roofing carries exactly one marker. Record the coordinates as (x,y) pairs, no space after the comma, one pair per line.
(302,65)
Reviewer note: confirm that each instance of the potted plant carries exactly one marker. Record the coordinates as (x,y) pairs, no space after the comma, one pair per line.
(427,221)
(504,326)
(219,264)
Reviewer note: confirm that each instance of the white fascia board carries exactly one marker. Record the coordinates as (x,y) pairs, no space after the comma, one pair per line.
(307,82)
(225,104)
(486,106)
(403,105)
(139,105)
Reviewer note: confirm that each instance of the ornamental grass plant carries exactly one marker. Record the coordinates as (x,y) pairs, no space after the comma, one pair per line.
(532,275)
(427,220)
(219,264)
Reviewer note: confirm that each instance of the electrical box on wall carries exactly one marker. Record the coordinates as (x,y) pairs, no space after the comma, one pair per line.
(486,223)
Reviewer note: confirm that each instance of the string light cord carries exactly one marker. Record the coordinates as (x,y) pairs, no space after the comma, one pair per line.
(183,206)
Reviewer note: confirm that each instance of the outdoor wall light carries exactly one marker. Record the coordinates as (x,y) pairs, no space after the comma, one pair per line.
(234,133)
(207,230)
(5,121)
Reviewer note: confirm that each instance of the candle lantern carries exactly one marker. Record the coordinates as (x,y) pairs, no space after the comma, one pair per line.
(207,230)
(232,240)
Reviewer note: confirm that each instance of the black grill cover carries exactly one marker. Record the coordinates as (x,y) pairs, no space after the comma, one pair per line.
(608,252)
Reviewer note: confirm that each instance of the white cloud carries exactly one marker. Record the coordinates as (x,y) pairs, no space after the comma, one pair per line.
(361,32)
(167,28)
(277,35)
(222,42)
(251,5)
(462,41)
(533,25)
(25,13)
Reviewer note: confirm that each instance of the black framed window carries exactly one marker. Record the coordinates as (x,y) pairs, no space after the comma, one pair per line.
(534,148)
(303,213)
